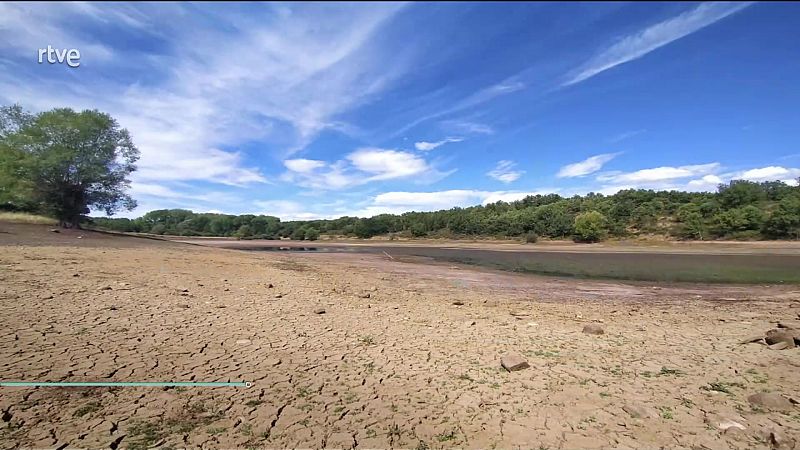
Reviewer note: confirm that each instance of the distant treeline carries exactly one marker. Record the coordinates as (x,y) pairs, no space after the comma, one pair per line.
(738,210)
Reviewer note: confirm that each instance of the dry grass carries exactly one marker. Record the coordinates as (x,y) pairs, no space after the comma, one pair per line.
(16,217)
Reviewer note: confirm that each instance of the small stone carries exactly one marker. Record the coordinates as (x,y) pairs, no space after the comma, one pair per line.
(270,286)
(278,295)
(366,295)
(47,297)
(319,311)
(780,335)
(771,400)
(724,423)
(183,305)
(76,274)
(105,288)
(513,362)
(243,342)
(458,303)
(53,230)
(593,328)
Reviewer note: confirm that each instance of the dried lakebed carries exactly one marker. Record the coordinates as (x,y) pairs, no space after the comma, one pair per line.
(640,266)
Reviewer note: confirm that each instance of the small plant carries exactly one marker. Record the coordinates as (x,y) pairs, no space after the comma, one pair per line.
(370,366)
(422,446)
(687,402)
(253,403)
(371,433)
(215,431)
(367,340)
(666,371)
(143,435)
(605,394)
(395,431)
(87,409)
(465,377)
(531,238)
(444,437)
(246,429)
(721,386)
(666,412)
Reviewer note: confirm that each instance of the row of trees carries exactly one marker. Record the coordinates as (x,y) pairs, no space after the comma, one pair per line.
(740,209)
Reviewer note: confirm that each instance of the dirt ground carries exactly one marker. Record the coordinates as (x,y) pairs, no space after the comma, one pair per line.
(405,355)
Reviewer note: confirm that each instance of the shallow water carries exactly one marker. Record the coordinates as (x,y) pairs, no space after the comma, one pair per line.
(706,268)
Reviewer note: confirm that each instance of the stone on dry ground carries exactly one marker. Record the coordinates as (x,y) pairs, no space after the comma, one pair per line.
(593,328)
(401,369)
(771,400)
(513,362)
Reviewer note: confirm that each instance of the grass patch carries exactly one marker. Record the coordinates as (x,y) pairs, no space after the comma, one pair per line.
(721,386)
(666,371)
(444,437)
(366,340)
(87,409)
(17,217)
(253,403)
(143,435)
(666,412)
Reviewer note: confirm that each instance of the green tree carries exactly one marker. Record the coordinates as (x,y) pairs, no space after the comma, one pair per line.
(298,234)
(590,227)
(74,160)
(243,232)
(312,234)
(785,220)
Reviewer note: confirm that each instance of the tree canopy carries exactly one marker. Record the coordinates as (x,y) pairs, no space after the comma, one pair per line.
(62,162)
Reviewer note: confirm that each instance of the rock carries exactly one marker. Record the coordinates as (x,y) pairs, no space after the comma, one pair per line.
(777,440)
(319,311)
(183,305)
(53,230)
(105,288)
(243,342)
(270,286)
(593,328)
(458,303)
(513,362)
(759,338)
(781,346)
(76,274)
(366,295)
(278,295)
(47,297)
(771,400)
(724,423)
(780,335)
(639,411)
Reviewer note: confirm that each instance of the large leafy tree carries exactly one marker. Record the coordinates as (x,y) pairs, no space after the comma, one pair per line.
(70,161)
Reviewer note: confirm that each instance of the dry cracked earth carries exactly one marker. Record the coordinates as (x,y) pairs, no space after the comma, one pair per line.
(405,355)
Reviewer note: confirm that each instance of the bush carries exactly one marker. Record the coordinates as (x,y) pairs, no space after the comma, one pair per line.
(590,227)
(298,234)
(531,237)
(312,234)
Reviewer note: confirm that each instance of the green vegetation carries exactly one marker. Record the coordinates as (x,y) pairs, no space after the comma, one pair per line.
(61,163)
(739,210)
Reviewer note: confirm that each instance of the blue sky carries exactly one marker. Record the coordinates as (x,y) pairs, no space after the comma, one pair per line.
(323,110)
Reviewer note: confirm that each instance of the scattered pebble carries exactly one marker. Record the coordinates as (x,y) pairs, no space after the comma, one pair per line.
(319,311)
(593,328)
(513,362)
(771,400)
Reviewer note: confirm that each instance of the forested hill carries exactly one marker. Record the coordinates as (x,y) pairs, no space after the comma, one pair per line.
(738,210)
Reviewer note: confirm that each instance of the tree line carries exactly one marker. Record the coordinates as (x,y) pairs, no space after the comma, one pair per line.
(738,210)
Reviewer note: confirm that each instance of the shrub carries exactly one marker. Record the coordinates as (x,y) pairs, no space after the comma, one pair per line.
(590,227)
(531,237)
(312,234)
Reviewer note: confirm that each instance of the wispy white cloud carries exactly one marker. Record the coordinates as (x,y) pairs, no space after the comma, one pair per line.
(770,173)
(661,174)
(587,166)
(626,135)
(362,166)
(424,146)
(651,38)
(466,127)
(504,171)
